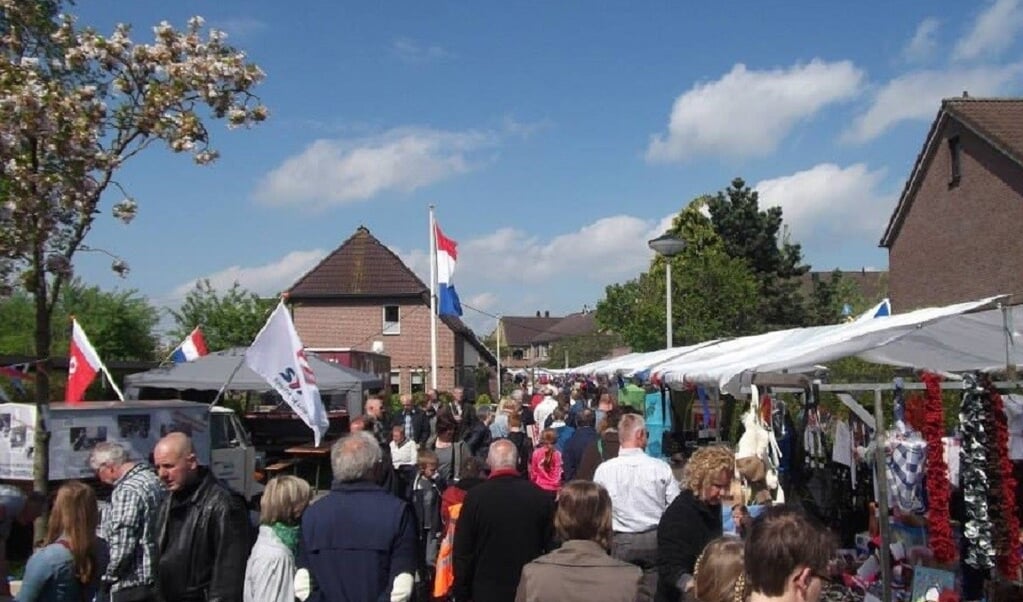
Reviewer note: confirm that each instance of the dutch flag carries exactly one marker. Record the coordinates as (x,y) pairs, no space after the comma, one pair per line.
(193,347)
(447,253)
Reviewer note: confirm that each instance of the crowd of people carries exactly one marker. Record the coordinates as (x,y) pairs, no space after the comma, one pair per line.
(543,498)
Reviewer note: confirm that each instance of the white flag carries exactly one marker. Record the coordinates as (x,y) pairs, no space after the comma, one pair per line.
(277,356)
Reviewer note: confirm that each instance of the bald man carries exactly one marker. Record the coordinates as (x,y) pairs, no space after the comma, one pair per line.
(205,535)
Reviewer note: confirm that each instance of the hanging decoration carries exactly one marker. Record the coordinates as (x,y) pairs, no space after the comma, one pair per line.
(1003,486)
(980,550)
(938,488)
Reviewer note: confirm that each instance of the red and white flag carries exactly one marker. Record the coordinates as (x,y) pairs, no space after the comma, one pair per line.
(83,364)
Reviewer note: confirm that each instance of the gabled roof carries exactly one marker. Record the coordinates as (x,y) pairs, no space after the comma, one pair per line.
(364,267)
(361,267)
(997,121)
(519,331)
(572,325)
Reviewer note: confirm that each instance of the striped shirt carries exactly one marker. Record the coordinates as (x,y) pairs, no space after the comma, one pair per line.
(130,529)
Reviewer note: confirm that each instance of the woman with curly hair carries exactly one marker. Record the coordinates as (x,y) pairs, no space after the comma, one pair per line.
(692,520)
(720,574)
(68,568)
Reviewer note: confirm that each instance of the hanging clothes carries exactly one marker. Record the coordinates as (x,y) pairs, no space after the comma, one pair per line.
(905,472)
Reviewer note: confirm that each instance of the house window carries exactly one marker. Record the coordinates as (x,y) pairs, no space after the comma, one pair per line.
(418,381)
(954,152)
(517,354)
(543,351)
(392,321)
(395,382)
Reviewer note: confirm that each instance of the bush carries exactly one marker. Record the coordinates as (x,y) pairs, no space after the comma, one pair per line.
(483,400)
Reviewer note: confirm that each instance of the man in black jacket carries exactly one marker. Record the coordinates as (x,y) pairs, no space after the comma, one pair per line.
(204,529)
(505,522)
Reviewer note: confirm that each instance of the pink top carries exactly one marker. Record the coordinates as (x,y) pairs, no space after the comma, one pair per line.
(549,480)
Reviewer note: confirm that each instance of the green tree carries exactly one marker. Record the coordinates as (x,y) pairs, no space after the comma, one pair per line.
(757,236)
(713,294)
(17,314)
(121,323)
(75,107)
(229,320)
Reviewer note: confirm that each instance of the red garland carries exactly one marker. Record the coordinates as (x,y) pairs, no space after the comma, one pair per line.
(1006,545)
(938,488)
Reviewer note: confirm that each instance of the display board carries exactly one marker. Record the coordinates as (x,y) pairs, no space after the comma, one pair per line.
(76,429)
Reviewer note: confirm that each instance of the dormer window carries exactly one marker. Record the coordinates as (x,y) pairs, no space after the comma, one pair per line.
(954,152)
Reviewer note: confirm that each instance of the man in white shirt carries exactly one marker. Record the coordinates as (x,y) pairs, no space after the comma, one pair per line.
(641,488)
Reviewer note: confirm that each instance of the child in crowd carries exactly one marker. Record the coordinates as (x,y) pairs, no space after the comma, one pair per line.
(545,465)
(426,500)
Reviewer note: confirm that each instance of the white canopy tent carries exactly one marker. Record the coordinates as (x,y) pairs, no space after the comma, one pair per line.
(950,338)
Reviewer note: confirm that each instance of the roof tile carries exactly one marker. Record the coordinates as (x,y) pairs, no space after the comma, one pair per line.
(362,266)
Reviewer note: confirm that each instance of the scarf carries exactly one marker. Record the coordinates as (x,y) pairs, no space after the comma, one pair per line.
(288,534)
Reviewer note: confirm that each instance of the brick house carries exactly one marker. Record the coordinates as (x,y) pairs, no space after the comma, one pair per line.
(526,340)
(954,234)
(362,296)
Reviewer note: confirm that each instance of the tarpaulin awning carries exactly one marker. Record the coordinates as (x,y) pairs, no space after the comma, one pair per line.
(937,338)
(211,371)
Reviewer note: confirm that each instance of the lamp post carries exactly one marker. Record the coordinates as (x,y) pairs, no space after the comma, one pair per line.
(667,246)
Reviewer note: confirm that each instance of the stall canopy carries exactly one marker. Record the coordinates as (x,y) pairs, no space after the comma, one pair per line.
(977,335)
(933,338)
(210,372)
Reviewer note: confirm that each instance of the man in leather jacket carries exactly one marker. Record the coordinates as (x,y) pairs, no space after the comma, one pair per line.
(204,530)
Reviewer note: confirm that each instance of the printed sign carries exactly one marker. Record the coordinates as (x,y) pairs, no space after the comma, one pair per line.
(76,430)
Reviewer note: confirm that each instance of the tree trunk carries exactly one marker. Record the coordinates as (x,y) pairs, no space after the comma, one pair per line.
(41,442)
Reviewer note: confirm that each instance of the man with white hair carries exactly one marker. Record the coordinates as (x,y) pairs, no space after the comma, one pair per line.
(358,542)
(641,488)
(129,523)
(505,522)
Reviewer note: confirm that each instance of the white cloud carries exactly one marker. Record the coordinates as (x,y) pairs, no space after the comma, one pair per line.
(918,95)
(338,172)
(748,113)
(409,51)
(828,204)
(238,28)
(993,32)
(923,43)
(267,279)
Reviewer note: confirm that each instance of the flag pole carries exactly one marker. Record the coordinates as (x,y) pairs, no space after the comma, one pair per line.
(499,380)
(433,299)
(111,380)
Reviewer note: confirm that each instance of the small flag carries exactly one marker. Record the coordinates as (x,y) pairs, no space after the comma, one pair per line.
(83,364)
(192,348)
(17,373)
(447,253)
(277,356)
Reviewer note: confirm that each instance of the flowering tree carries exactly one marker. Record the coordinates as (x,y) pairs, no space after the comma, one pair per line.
(75,106)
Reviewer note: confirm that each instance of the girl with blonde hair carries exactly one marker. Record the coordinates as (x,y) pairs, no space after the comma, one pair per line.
(270,571)
(68,568)
(719,575)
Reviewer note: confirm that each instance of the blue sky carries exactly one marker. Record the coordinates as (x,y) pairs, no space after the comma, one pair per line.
(554,138)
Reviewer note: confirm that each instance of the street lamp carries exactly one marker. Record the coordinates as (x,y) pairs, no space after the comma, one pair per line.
(667,246)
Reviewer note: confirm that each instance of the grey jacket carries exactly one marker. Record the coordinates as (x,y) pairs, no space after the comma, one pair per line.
(270,571)
(578,570)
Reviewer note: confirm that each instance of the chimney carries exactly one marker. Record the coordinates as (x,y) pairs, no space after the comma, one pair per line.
(547,314)
(966,94)
(538,313)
